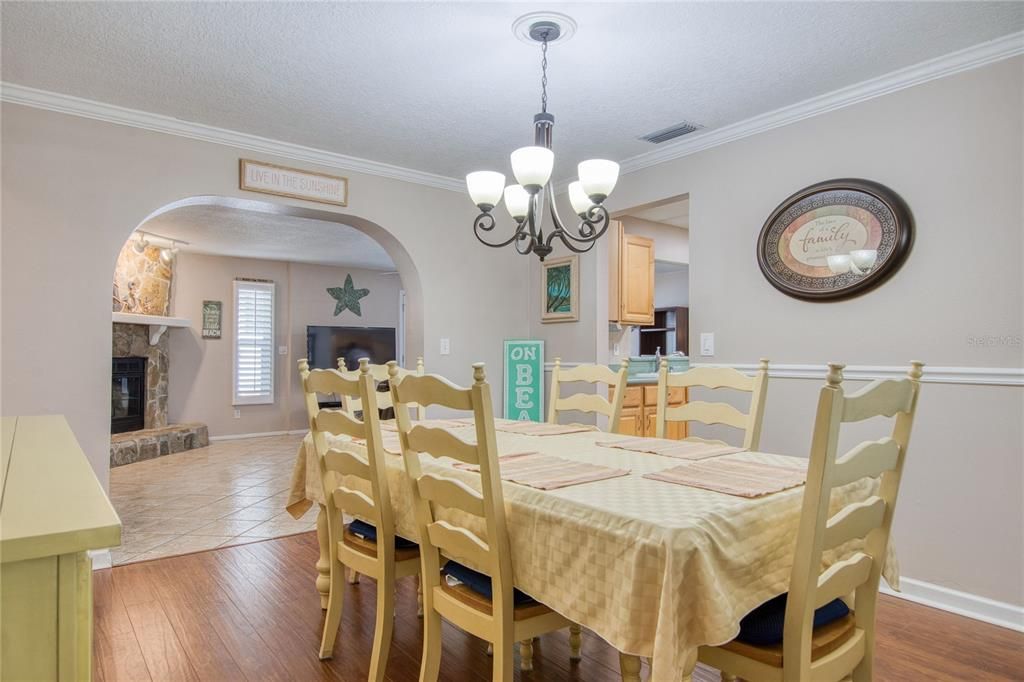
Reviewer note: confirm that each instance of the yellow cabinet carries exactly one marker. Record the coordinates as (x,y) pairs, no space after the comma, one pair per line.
(640,408)
(631,277)
(53,511)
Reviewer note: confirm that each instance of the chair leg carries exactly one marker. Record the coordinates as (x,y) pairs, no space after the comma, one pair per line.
(430,666)
(385,626)
(503,663)
(419,596)
(575,642)
(353,576)
(334,604)
(526,655)
(629,667)
(490,649)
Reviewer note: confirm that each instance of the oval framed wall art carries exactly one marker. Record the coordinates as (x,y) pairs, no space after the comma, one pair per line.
(835,239)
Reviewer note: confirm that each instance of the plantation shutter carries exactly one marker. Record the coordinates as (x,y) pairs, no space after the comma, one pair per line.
(254,343)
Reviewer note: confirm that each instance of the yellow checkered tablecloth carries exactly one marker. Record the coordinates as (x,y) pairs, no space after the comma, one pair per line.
(654,568)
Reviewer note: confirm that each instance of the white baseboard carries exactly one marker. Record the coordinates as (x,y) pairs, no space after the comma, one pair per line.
(100,559)
(961,603)
(263,434)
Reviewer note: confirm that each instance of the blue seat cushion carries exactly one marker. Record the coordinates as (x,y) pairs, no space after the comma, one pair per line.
(481,583)
(763,625)
(368,532)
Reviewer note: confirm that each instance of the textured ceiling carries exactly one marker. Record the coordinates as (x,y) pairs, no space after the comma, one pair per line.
(225,231)
(447,88)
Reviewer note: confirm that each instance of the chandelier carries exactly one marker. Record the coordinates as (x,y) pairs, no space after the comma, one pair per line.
(532,168)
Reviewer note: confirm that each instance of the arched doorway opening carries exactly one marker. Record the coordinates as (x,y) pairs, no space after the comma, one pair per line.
(198,253)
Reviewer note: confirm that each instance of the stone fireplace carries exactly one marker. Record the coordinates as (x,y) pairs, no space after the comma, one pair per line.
(131,342)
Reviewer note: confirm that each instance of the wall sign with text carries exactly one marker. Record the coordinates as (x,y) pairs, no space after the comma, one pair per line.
(212,319)
(836,218)
(524,380)
(268,178)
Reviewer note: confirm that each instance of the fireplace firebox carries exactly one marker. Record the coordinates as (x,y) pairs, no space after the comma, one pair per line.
(128,395)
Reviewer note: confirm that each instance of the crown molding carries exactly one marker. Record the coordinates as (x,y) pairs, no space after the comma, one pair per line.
(972,57)
(110,113)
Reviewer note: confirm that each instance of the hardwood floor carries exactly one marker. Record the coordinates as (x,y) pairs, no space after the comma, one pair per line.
(251,612)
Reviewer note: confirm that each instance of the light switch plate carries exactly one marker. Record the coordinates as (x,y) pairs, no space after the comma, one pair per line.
(282,350)
(446,347)
(707,343)
(238,413)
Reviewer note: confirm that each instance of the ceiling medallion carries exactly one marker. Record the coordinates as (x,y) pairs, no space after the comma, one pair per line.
(532,168)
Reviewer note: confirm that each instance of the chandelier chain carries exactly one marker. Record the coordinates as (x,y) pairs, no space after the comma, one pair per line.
(544,74)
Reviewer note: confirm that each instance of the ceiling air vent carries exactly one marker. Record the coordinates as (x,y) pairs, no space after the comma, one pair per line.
(671,133)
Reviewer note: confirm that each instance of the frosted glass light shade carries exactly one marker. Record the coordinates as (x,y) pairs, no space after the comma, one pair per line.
(532,167)
(864,259)
(485,188)
(598,177)
(517,201)
(839,265)
(581,203)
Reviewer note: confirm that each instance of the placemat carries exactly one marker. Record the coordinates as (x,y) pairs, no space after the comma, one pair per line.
(547,472)
(734,477)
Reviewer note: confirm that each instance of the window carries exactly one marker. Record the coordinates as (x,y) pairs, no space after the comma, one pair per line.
(254,343)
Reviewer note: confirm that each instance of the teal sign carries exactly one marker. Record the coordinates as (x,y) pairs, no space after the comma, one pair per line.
(524,380)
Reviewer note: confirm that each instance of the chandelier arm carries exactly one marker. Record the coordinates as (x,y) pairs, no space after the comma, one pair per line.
(592,227)
(566,237)
(525,239)
(485,223)
(559,225)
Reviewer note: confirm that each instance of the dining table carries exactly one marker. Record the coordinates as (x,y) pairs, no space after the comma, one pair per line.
(654,568)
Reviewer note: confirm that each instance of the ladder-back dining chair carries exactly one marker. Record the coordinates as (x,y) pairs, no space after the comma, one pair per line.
(811,633)
(714,413)
(368,545)
(480,600)
(353,404)
(589,402)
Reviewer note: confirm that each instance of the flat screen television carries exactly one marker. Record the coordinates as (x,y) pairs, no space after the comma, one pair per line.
(324,345)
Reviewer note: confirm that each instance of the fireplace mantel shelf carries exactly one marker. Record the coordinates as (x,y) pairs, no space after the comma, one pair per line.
(158,324)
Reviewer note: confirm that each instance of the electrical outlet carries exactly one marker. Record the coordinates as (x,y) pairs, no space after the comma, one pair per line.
(238,413)
(282,350)
(446,347)
(615,350)
(707,343)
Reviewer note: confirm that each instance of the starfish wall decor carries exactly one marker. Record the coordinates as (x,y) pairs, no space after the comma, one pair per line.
(347,297)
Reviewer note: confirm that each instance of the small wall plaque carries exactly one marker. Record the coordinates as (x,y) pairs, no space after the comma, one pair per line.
(211,319)
(268,178)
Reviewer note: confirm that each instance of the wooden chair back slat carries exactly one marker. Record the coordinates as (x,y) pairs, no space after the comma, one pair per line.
(868,520)
(879,398)
(347,464)
(431,389)
(842,578)
(458,543)
(714,413)
(356,503)
(442,443)
(712,377)
(708,413)
(593,403)
(854,521)
(338,423)
(331,381)
(451,493)
(868,459)
(434,493)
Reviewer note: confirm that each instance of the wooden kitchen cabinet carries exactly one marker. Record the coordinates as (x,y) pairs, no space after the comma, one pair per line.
(630,277)
(640,409)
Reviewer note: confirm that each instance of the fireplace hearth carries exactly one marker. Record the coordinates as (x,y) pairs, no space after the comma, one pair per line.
(128,395)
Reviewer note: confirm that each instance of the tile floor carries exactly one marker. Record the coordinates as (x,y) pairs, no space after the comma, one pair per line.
(229,493)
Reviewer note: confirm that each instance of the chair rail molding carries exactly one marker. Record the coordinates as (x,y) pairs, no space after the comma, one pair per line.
(978,376)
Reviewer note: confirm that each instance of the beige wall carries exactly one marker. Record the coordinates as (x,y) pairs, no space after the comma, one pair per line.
(953,149)
(85,185)
(201,369)
(671,243)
